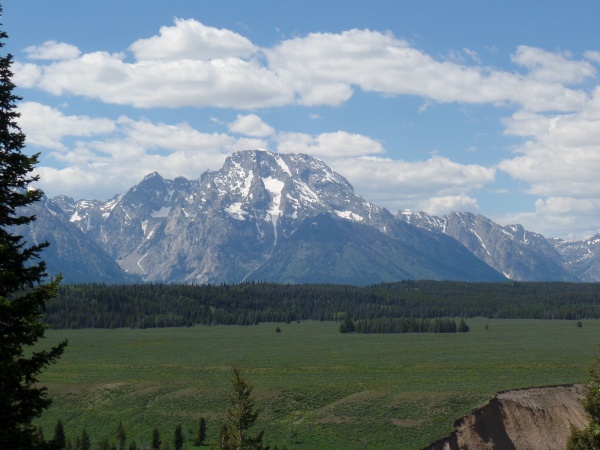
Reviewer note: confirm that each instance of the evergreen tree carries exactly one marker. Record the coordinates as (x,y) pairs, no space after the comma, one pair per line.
(201,437)
(121,436)
(22,294)
(241,416)
(463,327)
(60,439)
(133,446)
(155,443)
(589,438)
(224,441)
(84,442)
(178,439)
(104,444)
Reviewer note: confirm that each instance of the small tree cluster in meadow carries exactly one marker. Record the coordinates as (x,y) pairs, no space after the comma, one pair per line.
(403,325)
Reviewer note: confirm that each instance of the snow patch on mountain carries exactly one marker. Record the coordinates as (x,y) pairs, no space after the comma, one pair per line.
(235,210)
(275,187)
(349,215)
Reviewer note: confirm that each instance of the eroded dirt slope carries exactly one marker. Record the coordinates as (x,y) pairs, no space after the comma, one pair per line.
(529,419)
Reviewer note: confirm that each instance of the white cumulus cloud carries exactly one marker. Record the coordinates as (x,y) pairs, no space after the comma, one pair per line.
(190,39)
(415,185)
(250,125)
(328,145)
(440,206)
(47,127)
(191,64)
(52,50)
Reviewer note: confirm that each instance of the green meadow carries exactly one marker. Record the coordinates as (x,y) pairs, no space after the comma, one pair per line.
(317,388)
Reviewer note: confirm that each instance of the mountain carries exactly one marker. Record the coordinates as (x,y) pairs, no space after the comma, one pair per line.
(71,252)
(582,258)
(262,216)
(517,253)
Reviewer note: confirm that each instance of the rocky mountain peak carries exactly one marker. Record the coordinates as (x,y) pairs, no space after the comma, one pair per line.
(517,253)
(290,217)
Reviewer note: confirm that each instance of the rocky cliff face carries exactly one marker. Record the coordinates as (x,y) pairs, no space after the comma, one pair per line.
(527,419)
(519,254)
(71,253)
(582,258)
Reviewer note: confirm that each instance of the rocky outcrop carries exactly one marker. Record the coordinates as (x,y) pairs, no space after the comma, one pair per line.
(531,419)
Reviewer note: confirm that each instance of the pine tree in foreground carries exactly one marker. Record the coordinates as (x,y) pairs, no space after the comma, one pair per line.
(178,439)
(201,437)
(121,436)
(23,294)
(241,416)
(156,441)
(59,439)
(589,437)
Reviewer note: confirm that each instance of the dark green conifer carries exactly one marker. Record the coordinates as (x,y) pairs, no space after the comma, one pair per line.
(156,441)
(589,437)
(201,437)
(59,439)
(23,296)
(178,439)
(121,436)
(241,416)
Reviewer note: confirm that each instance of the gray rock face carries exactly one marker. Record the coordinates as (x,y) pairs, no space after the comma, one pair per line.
(71,253)
(519,254)
(252,219)
(582,258)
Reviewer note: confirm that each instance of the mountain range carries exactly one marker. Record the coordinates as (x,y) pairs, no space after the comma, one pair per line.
(285,218)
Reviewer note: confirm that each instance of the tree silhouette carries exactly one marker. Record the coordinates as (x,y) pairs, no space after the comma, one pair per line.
(201,437)
(23,294)
(178,439)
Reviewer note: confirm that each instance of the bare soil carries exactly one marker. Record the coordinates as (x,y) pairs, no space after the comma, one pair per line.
(529,419)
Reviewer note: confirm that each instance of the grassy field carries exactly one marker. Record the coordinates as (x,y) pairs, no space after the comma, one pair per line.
(318,388)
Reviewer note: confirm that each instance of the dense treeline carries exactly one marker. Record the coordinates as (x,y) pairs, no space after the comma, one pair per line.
(161,305)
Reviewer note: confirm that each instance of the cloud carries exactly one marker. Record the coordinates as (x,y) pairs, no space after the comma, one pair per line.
(190,64)
(52,50)
(379,62)
(230,82)
(440,206)
(565,217)
(414,185)
(328,145)
(250,125)
(561,153)
(189,39)
(26,75)
(559,161)
(47,127)
(593,56)
(552,67)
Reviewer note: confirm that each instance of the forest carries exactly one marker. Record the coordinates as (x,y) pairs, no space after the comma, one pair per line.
(166,305)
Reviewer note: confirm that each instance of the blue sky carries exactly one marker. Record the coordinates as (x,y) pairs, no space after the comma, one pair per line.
(488,107)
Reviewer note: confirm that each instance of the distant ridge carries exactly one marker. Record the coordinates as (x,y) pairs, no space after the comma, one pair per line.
(284,218)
